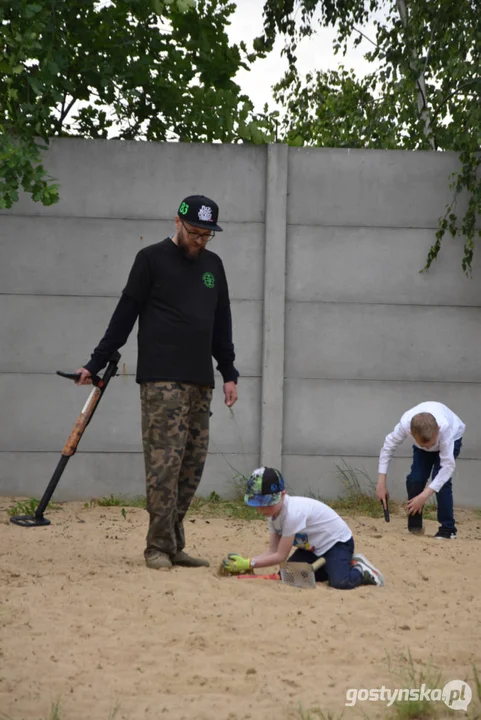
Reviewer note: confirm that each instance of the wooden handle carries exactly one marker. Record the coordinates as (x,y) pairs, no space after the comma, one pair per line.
(318,563)
(81,423)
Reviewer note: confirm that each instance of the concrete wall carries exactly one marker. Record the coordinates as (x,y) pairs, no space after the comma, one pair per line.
(336,331)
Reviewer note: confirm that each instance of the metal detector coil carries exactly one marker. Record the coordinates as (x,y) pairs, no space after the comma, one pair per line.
(70,447)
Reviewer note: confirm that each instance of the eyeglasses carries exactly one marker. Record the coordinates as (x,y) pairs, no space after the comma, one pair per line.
(205,237)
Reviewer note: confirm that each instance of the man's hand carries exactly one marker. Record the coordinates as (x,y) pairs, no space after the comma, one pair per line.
(85,377)
(236,564)
(416,504)
(230,393)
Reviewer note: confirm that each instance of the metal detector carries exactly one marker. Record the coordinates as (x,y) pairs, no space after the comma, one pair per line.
(100,385)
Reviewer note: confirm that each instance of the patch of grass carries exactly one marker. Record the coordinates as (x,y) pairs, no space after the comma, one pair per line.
(316,714)
(55,713)
(239,482)
(475,707)
(212,506)
(28,507)
(215,506)
(413,677)
(118,501)
(430,510)
(359,497)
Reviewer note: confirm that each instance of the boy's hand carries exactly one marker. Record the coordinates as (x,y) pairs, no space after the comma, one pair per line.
(236,564)
(382,492)
(416,504)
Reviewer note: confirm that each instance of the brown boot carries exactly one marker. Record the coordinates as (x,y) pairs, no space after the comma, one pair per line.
(158,561)
(181,558)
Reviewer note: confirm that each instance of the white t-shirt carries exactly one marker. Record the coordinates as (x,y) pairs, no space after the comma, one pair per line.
(316,526)
(451,428)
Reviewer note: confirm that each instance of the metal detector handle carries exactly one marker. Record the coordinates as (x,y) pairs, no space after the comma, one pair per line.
(96,380)
(90,406)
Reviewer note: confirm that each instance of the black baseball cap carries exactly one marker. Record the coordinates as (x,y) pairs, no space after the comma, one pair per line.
(200,211)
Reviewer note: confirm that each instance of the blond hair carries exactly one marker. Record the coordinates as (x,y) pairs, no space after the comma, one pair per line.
(424,426)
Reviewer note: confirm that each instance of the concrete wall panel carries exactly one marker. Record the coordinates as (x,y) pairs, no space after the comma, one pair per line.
(41,411)
(343,417)
(374,188)
(96,475)
(383,342)
(376,265)
(85,256)
(116,179)
(43,334)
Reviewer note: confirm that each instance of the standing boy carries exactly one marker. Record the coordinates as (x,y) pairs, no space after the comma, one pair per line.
(437,433)
(312,527)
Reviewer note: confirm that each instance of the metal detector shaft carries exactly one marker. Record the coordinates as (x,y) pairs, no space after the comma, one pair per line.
(70,446)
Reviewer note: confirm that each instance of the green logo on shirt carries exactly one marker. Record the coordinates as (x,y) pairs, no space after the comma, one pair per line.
(184,208)
(209,279)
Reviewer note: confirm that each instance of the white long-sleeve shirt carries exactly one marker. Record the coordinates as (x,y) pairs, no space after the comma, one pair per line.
(451,428)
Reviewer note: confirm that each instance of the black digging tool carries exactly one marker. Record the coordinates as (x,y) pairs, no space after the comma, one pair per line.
(100,385)
(386,510)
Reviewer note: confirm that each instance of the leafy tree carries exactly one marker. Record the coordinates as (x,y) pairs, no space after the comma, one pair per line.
(146,69)
(425,92)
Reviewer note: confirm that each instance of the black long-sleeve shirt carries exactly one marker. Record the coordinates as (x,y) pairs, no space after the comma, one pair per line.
(184,318)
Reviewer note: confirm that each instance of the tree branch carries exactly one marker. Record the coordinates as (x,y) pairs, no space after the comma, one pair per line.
(455,92)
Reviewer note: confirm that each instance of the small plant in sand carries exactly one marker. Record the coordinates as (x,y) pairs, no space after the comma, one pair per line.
(316,714)
(28,507)
(409,676)
(359,497)
(112,500)
(430,510)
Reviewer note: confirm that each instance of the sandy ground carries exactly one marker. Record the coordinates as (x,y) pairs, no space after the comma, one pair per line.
(82,620)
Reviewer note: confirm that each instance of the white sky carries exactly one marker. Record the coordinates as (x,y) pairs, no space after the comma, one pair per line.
(314,53)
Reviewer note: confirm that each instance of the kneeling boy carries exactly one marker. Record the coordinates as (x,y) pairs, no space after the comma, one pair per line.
(312,527)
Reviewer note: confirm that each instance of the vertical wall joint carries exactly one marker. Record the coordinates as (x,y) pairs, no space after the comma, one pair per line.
(272,399)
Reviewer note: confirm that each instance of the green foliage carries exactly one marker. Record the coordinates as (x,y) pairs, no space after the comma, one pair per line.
(412,677)
(28,507)
(359,496)
(425,92)
(316,713)
(153,70)
(118,501)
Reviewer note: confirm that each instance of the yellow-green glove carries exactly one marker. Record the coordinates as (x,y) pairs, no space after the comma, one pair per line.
(236,564)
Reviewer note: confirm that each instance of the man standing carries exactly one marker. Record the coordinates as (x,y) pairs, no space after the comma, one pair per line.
(178,291)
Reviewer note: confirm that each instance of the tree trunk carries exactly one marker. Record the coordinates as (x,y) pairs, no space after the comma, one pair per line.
(422,102)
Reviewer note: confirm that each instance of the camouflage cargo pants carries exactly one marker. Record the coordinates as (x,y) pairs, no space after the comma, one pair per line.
(175,435)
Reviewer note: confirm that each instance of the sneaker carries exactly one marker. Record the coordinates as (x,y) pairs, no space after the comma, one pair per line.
(158,561)
(446,534)
(181,558)
(370,574)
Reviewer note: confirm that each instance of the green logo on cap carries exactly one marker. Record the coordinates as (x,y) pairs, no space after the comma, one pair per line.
(209,279)
(184,208)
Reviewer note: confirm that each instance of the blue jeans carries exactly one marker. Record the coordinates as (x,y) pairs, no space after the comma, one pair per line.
(338,569)
(425,463)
